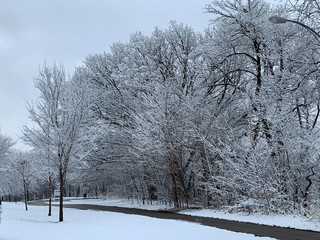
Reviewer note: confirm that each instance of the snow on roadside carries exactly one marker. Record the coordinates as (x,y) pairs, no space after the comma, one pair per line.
(17,224)
(291,221)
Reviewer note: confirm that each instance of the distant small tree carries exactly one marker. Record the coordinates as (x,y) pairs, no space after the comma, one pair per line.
(21,164)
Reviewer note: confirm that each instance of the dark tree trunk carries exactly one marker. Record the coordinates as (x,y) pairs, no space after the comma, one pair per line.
(25,187)
(50,195)
(61,176)
(306,193)
(175,190)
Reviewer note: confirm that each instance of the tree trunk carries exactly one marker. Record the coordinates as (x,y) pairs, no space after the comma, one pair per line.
(25,188)
(175,190)
(206,175)
(61,177)
(306,193)
(50,194)
(173,170)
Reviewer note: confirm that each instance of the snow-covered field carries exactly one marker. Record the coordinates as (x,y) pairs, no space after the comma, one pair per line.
(17,224)
(291,221)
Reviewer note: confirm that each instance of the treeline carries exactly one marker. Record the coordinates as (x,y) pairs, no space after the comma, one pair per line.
(224,118)
(227,117)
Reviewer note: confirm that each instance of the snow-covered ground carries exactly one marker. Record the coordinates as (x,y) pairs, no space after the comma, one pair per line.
(17,224)
(291,221)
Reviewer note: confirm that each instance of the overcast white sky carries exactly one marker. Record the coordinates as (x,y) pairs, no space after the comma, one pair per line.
(34,31)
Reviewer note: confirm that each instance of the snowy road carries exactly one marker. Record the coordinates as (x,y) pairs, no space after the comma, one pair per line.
(256,229)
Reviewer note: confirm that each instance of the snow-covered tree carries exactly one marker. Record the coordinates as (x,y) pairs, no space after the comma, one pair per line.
(59,117)
(278,103)
(6,144)
(22,165)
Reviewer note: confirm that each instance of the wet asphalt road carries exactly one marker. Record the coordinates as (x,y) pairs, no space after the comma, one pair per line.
(251,228)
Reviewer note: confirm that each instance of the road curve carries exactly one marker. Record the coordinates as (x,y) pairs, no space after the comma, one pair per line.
(280,233)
